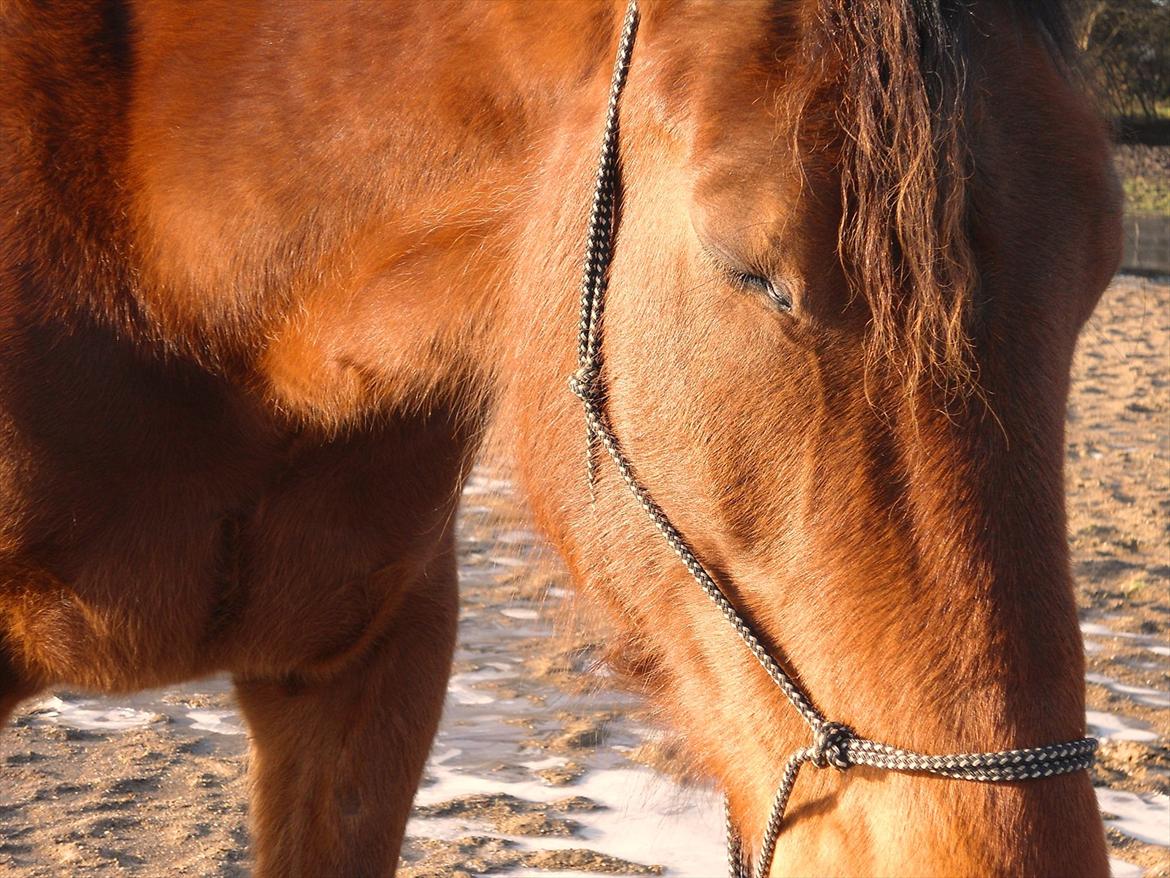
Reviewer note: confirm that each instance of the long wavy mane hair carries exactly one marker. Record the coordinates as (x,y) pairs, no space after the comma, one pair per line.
(898,74)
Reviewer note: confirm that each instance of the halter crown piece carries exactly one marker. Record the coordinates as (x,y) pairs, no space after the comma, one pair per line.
(832,743)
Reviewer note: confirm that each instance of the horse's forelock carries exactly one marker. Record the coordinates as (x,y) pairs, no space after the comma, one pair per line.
(901,88)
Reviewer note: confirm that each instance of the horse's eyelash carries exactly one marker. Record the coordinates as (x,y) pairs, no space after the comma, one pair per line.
(758,282)
(748,279)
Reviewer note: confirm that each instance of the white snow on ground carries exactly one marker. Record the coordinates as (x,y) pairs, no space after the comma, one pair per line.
(1120,869)
(645,819)
(92,715)
(1156,645)
(1144,817)
(460,691)
(1111,727)
(1140,694)
(520,613)
(221,722)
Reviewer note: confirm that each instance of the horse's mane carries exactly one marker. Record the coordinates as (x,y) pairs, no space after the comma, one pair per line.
(902,87)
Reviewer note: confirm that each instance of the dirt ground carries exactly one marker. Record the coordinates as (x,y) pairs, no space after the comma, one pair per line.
(154,784)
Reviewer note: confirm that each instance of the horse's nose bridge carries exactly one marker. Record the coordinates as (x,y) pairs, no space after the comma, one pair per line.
(987,525)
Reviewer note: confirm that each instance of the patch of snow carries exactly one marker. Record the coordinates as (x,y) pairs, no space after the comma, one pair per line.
(1144,817)
(1154,644)
(458,688)
(1111,727)
(520,613)
(646,818)
(1122,869)
(83,715)
(221,722)
(1140,694)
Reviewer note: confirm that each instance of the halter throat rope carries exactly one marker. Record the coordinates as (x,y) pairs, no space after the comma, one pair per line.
(833,744)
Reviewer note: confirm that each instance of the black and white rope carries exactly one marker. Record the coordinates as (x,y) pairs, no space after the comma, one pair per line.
(602,215)
(833,744)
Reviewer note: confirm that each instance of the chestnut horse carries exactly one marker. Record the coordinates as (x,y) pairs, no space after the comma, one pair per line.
(268,270)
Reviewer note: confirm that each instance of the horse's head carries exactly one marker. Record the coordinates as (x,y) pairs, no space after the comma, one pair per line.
(857,242)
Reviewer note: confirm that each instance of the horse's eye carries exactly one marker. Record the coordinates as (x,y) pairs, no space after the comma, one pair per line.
(778,293)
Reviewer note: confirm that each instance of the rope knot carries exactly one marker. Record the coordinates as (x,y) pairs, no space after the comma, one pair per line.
(831,746)
(586,384)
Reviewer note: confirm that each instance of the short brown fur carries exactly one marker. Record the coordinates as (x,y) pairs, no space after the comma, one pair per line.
(266,278)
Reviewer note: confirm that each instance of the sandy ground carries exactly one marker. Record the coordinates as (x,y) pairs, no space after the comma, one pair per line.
(541,767)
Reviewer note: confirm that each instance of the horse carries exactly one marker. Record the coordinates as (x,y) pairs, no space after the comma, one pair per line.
(270,271)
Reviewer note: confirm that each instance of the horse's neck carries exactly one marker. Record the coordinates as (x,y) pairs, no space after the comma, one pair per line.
(339,205)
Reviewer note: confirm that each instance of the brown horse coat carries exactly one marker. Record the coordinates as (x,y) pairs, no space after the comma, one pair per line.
(268,269)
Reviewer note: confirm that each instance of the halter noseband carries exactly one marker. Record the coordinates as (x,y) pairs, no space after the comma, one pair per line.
(833,743)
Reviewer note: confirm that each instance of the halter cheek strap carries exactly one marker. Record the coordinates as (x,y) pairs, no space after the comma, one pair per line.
(833,744)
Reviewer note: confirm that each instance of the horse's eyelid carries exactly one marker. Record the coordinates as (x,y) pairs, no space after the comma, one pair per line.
(749,279)
(742,277)
(782,297)
(778,293)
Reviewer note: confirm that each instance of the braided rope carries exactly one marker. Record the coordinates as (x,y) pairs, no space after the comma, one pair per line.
(595,275)
(833,744)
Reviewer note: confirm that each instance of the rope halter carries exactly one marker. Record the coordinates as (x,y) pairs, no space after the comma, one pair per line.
(833,744)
